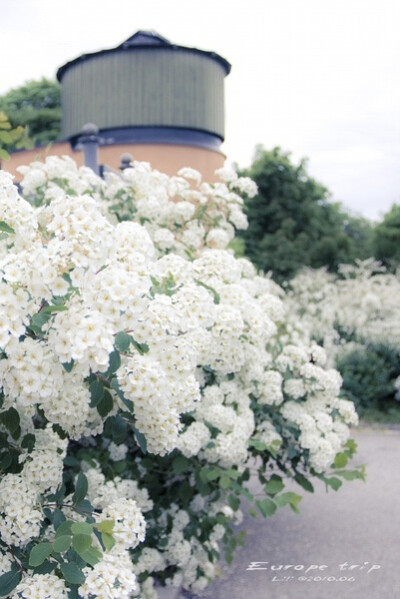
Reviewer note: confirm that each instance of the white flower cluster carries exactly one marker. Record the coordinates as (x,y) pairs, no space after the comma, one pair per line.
(129,524)
(20,516)
(312,403)
(45,181)
(41,586)
(266,433)
(43,467)
(190,557)
(181,213)
(102,493)
(6,561)
(121,299)
(19,493)
(227,409)
(151,560)
(111,578)
(360,301)
(348,311)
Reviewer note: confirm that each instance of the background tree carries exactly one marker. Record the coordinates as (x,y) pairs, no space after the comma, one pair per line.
(292,223)
(387,238)
(35,105)
(9,136)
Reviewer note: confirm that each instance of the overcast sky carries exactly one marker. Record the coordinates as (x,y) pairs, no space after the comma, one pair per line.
(320,78)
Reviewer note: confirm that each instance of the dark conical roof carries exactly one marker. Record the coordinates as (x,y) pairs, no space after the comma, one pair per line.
(145,40)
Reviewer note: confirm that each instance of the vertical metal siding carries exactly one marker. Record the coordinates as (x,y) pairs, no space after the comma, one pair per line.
(156,87)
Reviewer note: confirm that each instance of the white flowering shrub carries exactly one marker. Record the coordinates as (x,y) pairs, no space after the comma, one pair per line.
(145,371)
(355,315)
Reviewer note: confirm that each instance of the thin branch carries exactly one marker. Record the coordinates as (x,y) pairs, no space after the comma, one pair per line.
(15,560)
(72,507)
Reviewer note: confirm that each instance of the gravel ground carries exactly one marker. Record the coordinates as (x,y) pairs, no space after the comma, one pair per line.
(359,526)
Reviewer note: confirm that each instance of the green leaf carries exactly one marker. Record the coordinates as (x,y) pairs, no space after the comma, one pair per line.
(288,498)
(127,402)
(81,543)
(92,556)
(185,492)
(16,433)
(341,460)
(9,580)
(64,528)
(62,543)
(294,501)
(6,137)
(267,506)
(224,482)
(58,518)
(351,446)
(5,228)
(10,419)
(46,568)
(38,320)
(4,155)
(82,528)
(122,341)
(105,405)
(209,474)
(141,439)
(28,442)
(119,428)
(288,375)
(180,464)
(215,294)
(114,362)
(333,482)
(96,389)
(81,488)
(39,553)
(71,461)
(86,506)
(5,461)
(60,431)
(274,485)
(106,526)
(234,502)
(120,466)
(68,366)
(73,593)
(203,489)
(108,541)
(292,453)
(304,482)
(72,573)
(233,473)
(242,490)
(51,309)
(258,445)
(351,474)
(142,348)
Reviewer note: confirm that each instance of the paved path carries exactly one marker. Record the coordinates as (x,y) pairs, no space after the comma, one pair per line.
(358,525)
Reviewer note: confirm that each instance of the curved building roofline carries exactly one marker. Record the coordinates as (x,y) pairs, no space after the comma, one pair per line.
(146,40)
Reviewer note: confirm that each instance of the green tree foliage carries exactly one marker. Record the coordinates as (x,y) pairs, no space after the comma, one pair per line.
(369,373)
(387,238)
(292,223)
(35,105)
(9,136)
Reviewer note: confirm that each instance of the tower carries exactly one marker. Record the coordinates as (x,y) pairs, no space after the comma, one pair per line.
(161,102)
